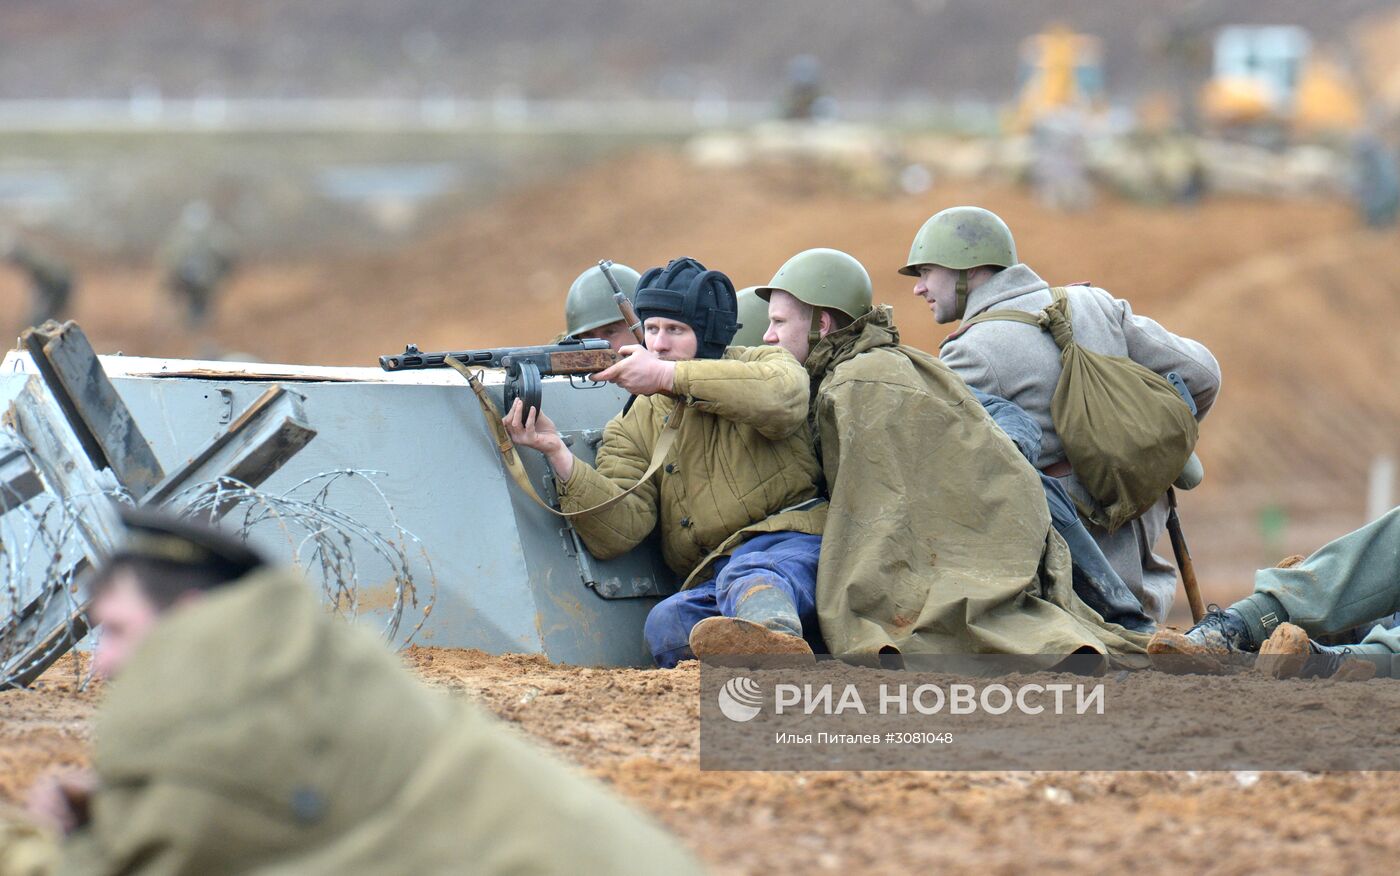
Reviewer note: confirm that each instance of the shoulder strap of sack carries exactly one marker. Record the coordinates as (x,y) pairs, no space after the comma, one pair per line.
(516,469)
(1038,320)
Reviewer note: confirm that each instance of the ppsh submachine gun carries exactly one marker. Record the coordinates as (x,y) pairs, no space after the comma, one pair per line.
(525,367)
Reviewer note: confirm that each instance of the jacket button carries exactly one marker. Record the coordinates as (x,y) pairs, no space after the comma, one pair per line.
(685,522)
(670,468)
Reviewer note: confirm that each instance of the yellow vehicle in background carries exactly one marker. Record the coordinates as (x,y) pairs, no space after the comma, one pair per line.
(1061,70)
(1270,80)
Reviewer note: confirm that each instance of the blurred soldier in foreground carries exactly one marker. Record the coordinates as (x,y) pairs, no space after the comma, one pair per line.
(939,538)
(1349,585)
(50,280)
(198,258)
(736,503)
(246,729)
(967,269)
(591,311)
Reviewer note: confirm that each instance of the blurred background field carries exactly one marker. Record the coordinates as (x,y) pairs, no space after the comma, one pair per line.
(439,172)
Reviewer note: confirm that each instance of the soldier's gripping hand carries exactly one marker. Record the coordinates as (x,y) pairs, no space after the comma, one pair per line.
(539,432)
(641,372)
(60,803)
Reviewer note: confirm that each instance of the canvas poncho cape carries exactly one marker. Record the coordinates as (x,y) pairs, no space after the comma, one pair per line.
(252,732)
(938,538)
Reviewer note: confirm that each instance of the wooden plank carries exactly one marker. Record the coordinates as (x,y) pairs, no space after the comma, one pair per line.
(251,449)
(97,415)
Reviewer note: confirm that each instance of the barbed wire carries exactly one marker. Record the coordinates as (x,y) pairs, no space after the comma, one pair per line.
(323,538)
(42,554)
(40,546)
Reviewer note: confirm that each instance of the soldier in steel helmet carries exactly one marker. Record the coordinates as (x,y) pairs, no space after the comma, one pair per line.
(939,530)
(753,319)
(591,311)
(965,264)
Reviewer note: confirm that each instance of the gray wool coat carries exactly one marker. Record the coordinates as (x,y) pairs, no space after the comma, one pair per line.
(1022,364)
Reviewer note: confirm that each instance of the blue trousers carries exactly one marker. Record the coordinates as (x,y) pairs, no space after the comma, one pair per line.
(1094,579)
(1095,582)
(786,561)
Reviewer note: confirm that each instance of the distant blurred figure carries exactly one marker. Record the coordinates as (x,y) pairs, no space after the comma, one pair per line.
(198,258)
(1377,183)
(805,101)
(1058,169)
(1177,167)
(50,279)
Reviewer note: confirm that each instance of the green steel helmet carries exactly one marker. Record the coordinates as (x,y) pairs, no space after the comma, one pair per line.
(590,304)
(824,279)
(962,238)
(753,319)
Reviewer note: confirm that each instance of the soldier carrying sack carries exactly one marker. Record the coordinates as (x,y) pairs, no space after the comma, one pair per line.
(1127,432)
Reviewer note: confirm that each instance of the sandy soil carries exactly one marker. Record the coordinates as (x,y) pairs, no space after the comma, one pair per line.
(638,731)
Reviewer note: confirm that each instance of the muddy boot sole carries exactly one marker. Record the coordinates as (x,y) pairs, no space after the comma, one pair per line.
(1288,653)
(1179,655)
(1285,653)
(731,641)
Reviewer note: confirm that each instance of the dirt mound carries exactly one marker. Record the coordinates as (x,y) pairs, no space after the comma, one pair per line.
(638,731)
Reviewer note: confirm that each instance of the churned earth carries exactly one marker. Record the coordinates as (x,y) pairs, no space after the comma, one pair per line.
(638,731)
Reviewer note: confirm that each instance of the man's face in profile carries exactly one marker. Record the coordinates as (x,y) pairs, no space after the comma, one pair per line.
(126,615)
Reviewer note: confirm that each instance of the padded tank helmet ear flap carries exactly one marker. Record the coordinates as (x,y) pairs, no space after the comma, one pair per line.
(687,292)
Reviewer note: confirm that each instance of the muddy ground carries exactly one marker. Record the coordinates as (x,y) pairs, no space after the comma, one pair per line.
(638,731)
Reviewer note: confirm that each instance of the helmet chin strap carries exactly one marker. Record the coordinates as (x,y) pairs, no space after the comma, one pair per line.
(814,329)
(962,293)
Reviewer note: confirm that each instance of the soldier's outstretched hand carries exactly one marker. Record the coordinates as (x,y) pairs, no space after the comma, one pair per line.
(641,372)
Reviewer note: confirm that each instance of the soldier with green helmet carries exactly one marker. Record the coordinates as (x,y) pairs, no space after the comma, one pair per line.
(590,310)
(753,319)
(939,538)
(966,264)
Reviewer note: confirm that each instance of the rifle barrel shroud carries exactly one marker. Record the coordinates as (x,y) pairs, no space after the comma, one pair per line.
(525,366)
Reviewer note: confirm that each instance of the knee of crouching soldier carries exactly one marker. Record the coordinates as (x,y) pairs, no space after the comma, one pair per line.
(663,628)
